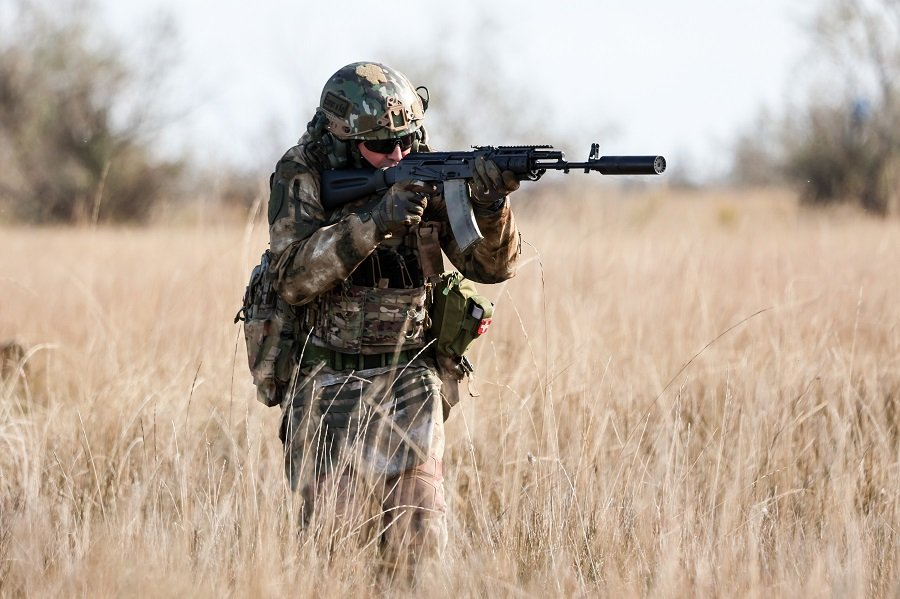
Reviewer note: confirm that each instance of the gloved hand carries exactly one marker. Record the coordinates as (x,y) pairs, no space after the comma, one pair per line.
(489,185)
(402,205)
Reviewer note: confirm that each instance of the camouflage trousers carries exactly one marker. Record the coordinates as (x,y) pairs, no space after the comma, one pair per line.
(364,451)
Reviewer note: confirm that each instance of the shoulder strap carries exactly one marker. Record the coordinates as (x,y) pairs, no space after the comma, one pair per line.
(429,248)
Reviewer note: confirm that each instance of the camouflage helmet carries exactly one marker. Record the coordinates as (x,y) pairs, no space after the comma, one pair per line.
(367,100)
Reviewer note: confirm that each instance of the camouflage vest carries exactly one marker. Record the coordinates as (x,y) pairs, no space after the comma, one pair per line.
(383,306)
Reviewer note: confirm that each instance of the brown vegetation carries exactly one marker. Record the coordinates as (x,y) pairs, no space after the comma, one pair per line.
(77,119)
(678,397)
(843,146)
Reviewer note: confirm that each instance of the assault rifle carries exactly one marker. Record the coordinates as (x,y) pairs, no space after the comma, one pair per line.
(451,170)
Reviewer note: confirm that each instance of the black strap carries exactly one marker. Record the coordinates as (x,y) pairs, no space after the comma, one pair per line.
(340,361)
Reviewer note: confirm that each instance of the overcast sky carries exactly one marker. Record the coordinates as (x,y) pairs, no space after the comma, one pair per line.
(656,76)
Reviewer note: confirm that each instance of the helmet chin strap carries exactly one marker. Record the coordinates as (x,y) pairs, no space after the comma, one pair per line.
(420,141)
(355,158)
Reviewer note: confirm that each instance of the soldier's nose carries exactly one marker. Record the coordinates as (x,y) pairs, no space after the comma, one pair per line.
(396,153)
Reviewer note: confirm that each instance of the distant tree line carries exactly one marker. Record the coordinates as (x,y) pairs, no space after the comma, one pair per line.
(78,125)
(844,144)
(75,121)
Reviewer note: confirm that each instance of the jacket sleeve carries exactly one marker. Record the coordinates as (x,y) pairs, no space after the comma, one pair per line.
(312,254)
(493,259)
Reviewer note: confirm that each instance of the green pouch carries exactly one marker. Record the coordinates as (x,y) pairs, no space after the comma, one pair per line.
(459,316)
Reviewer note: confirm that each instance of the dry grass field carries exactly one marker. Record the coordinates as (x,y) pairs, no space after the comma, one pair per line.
(681,396)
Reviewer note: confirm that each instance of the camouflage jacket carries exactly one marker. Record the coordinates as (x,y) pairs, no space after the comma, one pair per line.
(315,250)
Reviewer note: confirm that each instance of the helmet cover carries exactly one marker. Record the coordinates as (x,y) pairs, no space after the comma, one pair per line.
(367,100)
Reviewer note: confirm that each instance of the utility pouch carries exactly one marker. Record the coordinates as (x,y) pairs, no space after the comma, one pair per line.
(459,316)
(270,331)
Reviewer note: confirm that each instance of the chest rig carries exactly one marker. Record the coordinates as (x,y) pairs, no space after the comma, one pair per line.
(383,306)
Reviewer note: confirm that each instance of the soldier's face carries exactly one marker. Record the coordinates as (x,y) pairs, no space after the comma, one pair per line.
(381,160)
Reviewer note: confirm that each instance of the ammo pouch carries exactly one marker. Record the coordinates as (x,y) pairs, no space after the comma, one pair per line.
(270,330)
(459,316)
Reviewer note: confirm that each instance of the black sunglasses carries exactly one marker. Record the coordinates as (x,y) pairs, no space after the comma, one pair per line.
(386,146)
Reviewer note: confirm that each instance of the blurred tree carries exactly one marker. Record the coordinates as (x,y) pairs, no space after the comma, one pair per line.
(844,145)
(74,119)
(758,156)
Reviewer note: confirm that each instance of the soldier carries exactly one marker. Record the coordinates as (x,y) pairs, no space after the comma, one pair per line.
(363,420)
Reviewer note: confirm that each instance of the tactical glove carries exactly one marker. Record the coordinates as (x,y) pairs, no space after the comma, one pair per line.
(489,186)
(402,205)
